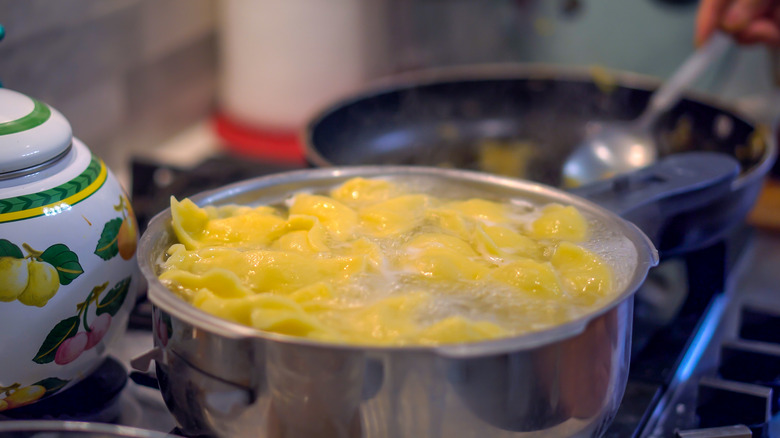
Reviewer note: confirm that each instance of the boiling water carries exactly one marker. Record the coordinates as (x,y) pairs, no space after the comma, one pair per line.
(474,300)
(481,300)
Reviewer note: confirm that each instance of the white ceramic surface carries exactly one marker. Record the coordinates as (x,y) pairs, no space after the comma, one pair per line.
(68,274)
(31,132)
(14,105)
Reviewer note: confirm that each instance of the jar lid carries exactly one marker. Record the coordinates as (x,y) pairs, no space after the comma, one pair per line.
(31,132)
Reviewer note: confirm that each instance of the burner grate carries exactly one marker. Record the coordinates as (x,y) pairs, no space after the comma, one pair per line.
(94,399)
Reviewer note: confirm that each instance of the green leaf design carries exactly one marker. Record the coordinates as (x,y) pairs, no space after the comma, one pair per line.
(52,384)
(107,247)
(8,249)
(65,261)
(67,328)
(112,302)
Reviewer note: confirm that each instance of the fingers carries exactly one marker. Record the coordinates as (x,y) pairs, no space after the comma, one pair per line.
(708,18)
(749,21)
(764,29)
(741,13)
(760,31)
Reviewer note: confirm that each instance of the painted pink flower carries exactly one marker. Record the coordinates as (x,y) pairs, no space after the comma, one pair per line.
(98,328)
(71,348)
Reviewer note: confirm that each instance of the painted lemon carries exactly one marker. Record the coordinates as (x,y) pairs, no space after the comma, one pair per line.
(25,396)
(14,276)
(42,285)
(3,405)
(127,238)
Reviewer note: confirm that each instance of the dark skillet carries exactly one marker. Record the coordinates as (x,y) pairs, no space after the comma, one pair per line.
(443,118)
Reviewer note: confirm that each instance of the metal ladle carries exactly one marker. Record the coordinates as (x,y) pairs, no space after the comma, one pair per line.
(613,148)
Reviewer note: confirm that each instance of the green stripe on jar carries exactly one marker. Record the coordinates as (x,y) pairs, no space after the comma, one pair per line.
(36,117)
(55,194)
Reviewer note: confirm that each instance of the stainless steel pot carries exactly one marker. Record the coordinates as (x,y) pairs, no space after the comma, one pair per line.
(222,378)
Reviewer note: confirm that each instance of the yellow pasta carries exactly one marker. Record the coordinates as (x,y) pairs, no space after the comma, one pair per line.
(481,210)
(223,283)
(458,329)
(394,216)
(497,240)
(195,227)
(443,257)
(337,218)
(310,235)
(360,192)
(250,228)
(318,296)
(386,321)
(293,321)
(371,251)
(189,221)
(559,222)
(450,221)
(530,276)
(373,261)
(581,270)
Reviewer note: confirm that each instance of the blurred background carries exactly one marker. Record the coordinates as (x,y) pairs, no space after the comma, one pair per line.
(135,77)
(178,96)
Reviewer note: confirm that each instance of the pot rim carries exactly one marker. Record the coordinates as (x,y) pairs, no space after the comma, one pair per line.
(539,71)
(80,427)
(166,300)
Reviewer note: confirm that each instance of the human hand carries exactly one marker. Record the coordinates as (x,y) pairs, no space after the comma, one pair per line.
(748,21)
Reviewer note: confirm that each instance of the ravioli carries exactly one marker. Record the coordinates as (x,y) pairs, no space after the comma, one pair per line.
(378,262)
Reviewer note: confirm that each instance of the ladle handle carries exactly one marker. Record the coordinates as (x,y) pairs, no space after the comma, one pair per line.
(670,91)
(652,196)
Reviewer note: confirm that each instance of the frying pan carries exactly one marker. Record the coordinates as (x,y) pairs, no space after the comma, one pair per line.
(448,117)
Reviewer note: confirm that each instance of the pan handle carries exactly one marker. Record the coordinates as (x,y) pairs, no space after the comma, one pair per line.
(677,184)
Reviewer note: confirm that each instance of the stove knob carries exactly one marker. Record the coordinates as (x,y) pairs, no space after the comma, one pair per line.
(738,431)
(725,402)
(760,324)
(752,362)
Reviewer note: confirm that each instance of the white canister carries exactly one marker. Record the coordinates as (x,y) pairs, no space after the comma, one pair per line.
(68,236)
(283,60)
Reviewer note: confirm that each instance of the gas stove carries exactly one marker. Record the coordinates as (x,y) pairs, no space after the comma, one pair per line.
(706,340)
(711,370)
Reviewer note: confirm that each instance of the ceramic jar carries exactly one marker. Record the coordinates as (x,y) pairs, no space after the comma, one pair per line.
(68,274)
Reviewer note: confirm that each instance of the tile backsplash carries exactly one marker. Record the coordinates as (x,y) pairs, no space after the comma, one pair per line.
(126,73)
